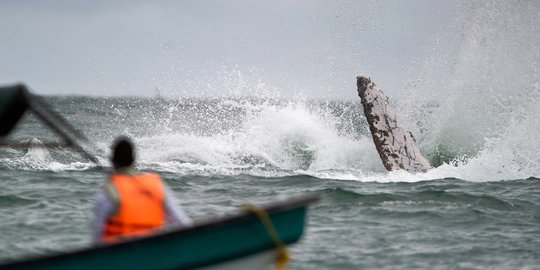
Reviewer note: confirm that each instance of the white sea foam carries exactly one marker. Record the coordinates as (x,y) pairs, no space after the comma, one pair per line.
(280,138)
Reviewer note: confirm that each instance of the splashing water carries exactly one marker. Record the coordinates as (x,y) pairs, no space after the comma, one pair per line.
(287,137)
(477,108)
(473,112)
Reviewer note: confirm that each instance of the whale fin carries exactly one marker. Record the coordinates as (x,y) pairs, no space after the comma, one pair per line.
(396,147)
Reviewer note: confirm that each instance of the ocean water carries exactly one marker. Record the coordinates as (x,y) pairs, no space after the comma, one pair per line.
(473,111)
(473,211)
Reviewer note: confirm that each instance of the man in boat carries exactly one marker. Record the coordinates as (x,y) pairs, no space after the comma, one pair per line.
(133,204)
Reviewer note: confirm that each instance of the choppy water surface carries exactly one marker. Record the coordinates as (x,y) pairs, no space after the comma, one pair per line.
(460,214)
(474,115)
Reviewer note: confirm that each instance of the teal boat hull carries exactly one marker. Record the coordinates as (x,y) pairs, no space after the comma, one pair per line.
(208,243)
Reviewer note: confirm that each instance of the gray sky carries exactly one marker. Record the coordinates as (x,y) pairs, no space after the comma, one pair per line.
(221,47)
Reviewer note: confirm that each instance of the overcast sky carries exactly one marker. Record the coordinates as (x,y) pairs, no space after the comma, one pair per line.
(221,47)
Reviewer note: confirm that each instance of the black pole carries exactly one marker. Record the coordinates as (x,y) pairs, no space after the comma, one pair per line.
(48,116)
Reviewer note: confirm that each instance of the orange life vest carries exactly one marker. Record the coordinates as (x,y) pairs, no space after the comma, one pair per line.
(141,207)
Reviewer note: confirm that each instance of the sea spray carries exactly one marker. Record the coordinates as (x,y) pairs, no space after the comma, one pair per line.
(278,135)
(474,109)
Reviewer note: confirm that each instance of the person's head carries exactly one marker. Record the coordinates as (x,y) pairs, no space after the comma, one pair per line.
(123,152)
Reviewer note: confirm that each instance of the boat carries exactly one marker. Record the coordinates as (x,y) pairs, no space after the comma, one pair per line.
(241,240)
(16,100)
(255,237)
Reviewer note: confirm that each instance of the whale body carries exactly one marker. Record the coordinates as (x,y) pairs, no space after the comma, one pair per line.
(397,148)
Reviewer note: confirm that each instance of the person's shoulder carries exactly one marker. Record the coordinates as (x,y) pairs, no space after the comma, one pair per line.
(150,174)
(111,191)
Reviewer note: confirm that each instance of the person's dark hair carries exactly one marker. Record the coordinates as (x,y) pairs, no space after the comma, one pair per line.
(123,152)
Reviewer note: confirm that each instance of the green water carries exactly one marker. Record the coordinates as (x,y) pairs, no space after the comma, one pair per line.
(256,152)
